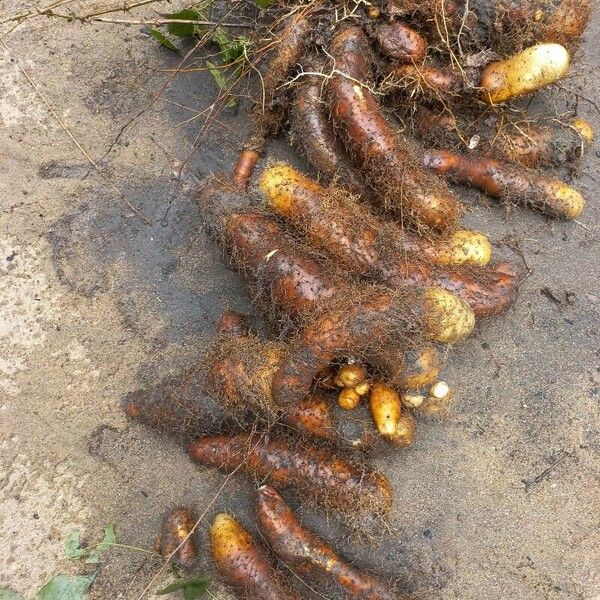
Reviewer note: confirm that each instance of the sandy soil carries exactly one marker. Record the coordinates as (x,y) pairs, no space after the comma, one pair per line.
(498,499)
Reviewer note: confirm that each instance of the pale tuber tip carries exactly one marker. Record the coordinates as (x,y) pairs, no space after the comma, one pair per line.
(440,390)
(569,202)
(584,129)
(465,247)
(227,537)
(278,183)
(524,73)
(448,318)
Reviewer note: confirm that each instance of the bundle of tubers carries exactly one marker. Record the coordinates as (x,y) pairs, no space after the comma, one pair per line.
(231,390)
(247,570)
(336,318)
(360,274)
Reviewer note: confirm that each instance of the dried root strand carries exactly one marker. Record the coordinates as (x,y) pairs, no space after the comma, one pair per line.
(386,158)
(243,563)
(177,541)
(299,548)
(316,473)
(508,181)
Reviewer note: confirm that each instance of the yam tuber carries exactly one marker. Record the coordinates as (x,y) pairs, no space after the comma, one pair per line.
(177,541)
(386,158)
(508,181)
(317,474)
(309,555)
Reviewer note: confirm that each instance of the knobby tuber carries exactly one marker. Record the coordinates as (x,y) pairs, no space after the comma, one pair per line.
(316,473)
(386,158)
(309,555)
(177,541)
(243,563)
(365,245)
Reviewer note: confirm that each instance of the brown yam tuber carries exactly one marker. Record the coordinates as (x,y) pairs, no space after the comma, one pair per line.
(508,181)
(316,473)
(268,112)
(397,41)
(365,245)
(243,564)
(312,132)
(309,555)
(386,158)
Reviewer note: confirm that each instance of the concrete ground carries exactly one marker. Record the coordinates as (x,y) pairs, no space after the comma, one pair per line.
(499,499)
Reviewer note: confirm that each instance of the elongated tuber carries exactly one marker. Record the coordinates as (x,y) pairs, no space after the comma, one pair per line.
(310,555)
(268,111)
(243,563)
(365,245)
(316,473)
(508,181)
(386,158)
(311,130)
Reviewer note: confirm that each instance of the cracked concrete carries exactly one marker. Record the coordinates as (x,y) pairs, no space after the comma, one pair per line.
(498,499)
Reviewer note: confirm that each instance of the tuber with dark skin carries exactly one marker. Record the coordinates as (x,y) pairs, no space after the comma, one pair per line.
(309,555)
(386,158)
(268,112)
(317,474)
(366,246)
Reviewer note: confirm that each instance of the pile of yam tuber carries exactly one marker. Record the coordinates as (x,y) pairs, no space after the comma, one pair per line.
(361,268)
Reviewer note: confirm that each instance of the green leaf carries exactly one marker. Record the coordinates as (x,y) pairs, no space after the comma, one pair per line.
(191,589)
(163,40)
(110,537)
(264,3)
(6,594)
(231,47)
(182,29)
(73,547)
(64,587)
(220,79)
